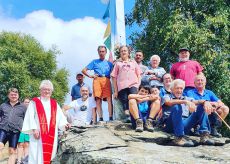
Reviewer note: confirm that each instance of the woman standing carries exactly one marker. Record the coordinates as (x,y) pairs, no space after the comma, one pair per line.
(126,77)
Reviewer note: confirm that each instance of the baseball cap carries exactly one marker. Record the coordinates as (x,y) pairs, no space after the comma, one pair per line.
(79,73)
(183,49)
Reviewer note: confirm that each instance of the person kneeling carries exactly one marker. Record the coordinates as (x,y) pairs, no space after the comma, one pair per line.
(143,108)
(180,122)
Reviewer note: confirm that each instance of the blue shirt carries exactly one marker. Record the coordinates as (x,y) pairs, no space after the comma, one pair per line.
(144,107)
(163,92)
(100,67)
(207,95)
(75,92)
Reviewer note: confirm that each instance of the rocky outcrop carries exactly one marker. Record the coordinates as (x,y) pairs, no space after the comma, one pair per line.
(116,142)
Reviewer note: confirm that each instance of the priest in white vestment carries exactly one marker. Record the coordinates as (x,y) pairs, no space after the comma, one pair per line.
(32,126)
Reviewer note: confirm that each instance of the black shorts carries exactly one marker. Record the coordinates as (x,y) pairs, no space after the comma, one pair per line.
(9,136)
(123,96)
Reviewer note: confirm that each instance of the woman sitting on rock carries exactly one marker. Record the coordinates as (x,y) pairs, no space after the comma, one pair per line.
(143,108)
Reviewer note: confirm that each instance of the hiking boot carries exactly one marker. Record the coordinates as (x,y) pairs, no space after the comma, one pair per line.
(181,141)
(149,125)
(139,125)
(215,133)
(205,139)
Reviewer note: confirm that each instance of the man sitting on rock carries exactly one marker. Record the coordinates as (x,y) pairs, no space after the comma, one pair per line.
(84,108)
(179,122)
(143,108)
(200,93)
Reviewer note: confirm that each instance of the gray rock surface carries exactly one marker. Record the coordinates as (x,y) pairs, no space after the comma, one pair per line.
(116,142)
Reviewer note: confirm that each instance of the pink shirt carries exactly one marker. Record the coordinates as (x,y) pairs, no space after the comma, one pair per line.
(186,71)
(126,74)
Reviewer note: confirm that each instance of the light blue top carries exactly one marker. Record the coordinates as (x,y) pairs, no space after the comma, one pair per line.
(102,68)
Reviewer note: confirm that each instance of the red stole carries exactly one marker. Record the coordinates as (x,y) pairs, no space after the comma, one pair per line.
(47,135)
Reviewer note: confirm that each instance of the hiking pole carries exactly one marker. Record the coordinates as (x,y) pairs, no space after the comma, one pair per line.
(223,120)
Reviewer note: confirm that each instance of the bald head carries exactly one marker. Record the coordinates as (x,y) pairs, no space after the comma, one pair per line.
(84,91)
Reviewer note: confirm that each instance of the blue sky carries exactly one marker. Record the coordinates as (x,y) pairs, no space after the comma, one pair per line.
(64,9)
(75,27)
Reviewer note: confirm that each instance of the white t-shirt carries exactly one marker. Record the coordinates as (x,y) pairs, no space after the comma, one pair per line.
(79,116)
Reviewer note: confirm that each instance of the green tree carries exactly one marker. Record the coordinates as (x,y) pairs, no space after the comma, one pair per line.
(200,25)
(24,63)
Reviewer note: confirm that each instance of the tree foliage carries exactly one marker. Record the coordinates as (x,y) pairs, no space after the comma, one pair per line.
(24,63)
(200,25)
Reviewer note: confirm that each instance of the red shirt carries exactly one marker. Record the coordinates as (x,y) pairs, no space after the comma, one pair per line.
(186,71)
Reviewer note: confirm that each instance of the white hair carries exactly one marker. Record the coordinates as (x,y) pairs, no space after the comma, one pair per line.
(46,83)
(176,82)
(157,57)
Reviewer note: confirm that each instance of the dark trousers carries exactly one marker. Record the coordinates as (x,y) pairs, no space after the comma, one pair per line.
(123,96)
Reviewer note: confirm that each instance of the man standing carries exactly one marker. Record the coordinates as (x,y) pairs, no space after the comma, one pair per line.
(186,69)
(75,92)
(139,56)
(200,93)
(42,120)
(84,108)
(179,122)
(12,114)
(101,81)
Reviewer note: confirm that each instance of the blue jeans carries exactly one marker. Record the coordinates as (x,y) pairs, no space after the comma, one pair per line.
(180,126)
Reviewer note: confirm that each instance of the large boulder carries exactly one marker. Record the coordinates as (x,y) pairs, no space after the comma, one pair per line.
(116,142)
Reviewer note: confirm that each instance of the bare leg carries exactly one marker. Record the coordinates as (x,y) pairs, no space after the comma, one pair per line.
(155,108)
(133,108)
(224,112)
(12,157)
(1,149)
(99,110)
(26,149)
(20,151)
(110,106)
(94,115)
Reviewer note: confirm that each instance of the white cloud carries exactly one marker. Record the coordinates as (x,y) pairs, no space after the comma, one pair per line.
(105,1)
(77,39)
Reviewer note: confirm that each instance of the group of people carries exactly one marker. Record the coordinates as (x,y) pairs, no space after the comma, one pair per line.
(33,122)
(177,101)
